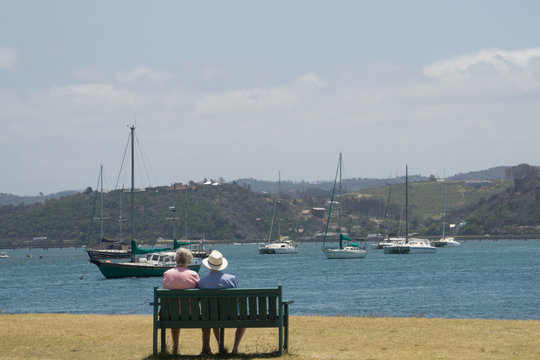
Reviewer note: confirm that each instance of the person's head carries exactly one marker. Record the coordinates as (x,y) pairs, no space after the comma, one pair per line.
(183,257)
(215,261)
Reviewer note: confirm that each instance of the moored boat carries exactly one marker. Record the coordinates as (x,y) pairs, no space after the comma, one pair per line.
(154,264)
(283,245)
(346,249)
(409,245)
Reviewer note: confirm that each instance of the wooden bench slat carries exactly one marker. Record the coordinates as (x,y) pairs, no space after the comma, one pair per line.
(214,308)
(253,315)
(223,309)
(184,309)
(272,308)
(243,309)
(263,314)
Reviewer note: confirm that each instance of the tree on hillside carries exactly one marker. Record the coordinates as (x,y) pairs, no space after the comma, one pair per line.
(522,174)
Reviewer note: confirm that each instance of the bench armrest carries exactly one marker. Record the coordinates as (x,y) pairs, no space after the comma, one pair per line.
(287,302)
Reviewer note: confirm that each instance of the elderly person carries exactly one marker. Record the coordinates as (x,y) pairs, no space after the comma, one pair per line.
(180,277)
(216,279)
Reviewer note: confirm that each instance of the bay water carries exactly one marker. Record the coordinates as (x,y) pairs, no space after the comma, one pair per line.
(480,279)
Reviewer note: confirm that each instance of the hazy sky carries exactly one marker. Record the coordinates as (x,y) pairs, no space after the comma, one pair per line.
(248,88)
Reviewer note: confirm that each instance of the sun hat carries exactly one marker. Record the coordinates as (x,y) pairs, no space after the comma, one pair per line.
(215,261)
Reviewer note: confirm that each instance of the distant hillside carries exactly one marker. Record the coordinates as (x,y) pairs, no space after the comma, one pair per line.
(242,211)
(9,199)
(223,212)
(357,184)
(495,173)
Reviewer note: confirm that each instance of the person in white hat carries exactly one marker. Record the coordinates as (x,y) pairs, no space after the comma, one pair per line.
(216,279)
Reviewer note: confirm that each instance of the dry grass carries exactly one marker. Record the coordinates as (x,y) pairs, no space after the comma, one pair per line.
(59,336)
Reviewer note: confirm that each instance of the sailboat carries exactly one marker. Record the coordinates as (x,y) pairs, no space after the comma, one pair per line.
(409,245)
(283,245)
(387,240)
(347,249)
(144,262)
(445,241)
(108,249)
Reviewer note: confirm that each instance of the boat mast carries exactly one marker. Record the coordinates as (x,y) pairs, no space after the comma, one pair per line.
(132,182)
(101,203)
(444,212)
(278,202)
(406,203)
(340,202)
(185,217)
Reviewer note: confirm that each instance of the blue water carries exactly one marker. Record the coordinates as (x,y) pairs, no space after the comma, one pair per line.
(489,280)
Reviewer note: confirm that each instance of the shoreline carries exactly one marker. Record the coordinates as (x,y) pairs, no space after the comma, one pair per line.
(67,336)
(460,238)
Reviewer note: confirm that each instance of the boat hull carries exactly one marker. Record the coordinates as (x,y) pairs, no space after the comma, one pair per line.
(406,249)
(344,254)
(108,254)
(279,248)
(113,270)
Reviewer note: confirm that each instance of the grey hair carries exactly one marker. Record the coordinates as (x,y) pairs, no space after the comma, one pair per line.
(183,257)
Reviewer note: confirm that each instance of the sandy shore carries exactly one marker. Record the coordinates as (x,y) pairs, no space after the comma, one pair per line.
(60,336)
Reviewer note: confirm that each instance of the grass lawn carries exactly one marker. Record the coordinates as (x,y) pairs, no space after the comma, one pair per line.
(61,336)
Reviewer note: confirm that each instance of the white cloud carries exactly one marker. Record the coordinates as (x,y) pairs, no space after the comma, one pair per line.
(143,74)
(8,57)
(381,116)
(519,68)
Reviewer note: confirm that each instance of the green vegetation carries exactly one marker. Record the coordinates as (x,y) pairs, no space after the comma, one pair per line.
(233,212)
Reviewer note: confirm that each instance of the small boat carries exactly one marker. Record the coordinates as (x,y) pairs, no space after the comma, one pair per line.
(445,241)
(347,249)
(283,245)
(153,264)
(412,245)
(3,254)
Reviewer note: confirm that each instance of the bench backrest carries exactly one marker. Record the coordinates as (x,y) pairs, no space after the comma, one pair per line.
(219,308)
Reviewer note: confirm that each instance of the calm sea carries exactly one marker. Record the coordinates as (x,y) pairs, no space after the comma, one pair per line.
(487,279)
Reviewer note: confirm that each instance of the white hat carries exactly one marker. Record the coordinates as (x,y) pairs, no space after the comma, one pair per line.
(215,261)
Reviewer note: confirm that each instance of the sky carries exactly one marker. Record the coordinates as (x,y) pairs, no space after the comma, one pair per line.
(235,89)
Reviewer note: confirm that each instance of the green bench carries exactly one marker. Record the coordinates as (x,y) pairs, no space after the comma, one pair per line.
(226,308)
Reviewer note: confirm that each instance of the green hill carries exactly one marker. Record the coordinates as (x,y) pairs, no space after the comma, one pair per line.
(234,212)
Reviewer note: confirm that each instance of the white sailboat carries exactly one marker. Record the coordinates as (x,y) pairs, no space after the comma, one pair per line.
(388,240)
(445,241)
(347,249)
(283,245)
(413,245)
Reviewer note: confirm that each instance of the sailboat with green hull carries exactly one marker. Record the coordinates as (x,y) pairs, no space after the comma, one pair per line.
(347,249)
(154,262)
(144,262)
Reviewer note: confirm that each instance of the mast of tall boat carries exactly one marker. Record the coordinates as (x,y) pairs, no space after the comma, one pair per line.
(101,203)
(444,213)
(406,203)
(340,202)
(132,181)
(278,205)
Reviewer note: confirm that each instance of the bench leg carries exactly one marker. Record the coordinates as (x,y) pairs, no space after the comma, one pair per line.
(154,340)
(222,340)
(286,324)
(163,341)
